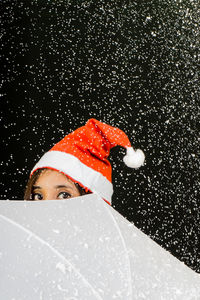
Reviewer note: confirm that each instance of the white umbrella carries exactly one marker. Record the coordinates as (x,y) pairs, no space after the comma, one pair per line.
(83,249)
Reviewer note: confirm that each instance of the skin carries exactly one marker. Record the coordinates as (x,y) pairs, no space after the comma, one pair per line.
(52,185)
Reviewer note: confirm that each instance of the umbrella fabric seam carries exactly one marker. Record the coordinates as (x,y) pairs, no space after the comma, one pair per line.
(53,249)
(126,251)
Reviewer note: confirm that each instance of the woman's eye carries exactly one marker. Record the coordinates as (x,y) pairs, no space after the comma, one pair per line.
(37,196)
(64,195)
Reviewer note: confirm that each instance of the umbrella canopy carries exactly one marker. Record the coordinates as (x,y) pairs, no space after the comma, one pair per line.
(83,249)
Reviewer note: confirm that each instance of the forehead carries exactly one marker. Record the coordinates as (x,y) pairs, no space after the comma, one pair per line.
(52,177)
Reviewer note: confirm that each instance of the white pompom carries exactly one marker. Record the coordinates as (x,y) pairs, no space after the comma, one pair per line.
(134,159)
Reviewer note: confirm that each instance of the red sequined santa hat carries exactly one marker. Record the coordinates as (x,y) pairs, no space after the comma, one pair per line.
(82,156)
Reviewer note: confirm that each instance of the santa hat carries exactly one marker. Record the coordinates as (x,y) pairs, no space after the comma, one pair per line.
(82,156)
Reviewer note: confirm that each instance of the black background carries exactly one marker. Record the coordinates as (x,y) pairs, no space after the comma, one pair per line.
(131,64)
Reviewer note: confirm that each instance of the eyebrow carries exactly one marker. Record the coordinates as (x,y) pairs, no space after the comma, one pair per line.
(57,186)
(36,187)
(63,186)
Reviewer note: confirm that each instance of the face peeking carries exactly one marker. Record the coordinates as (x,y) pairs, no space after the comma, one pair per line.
(53,185)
